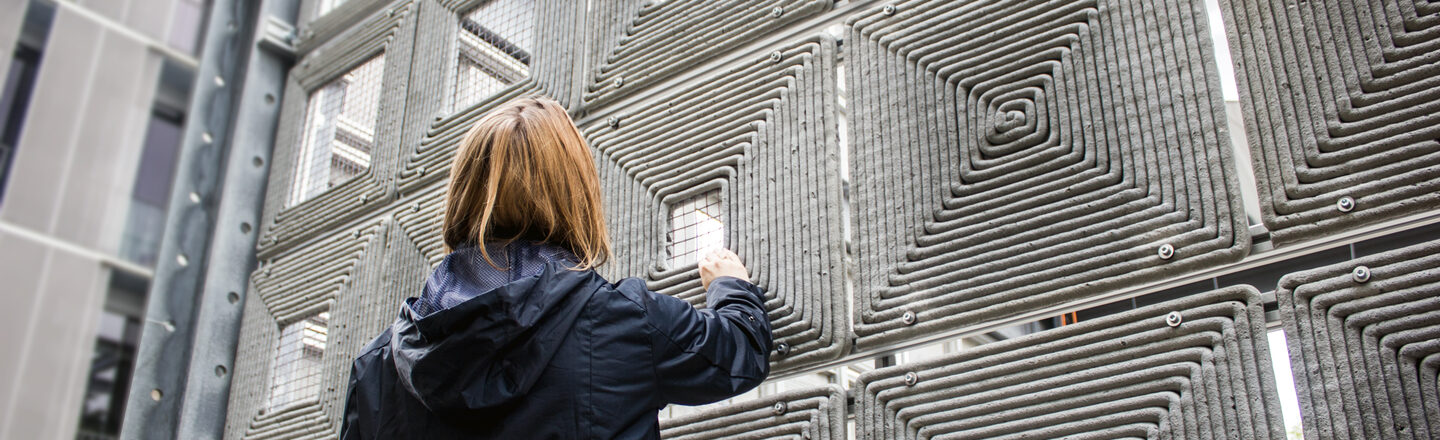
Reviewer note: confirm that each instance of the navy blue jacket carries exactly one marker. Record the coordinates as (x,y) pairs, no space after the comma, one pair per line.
(540,351)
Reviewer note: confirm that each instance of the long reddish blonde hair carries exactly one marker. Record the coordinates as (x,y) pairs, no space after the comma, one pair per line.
(524,172)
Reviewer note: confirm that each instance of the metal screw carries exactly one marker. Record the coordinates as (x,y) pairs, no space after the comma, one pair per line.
(1173,319)
(1361,274)
(911,379)
(908,318)
(357,233)
(775,56)
(364,198)
(1166,251)
(415,208)
(777,12)
(888,10)
(420,170)
(779,408)
(619,82)
(1345,204)
(613,121)
(782,348)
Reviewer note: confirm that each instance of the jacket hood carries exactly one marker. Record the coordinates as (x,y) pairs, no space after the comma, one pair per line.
(478,337)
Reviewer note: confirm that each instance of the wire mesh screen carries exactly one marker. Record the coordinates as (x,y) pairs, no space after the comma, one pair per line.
(297,361)
(695,228)
(339,130)
(494,49)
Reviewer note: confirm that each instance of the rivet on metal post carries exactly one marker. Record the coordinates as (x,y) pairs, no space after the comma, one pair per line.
(1173,319)
(1360,274)
(911,379)
(888,10)
(777,12)
(782,349)
(779,408)
(775,56)
(1166,251)
(1345,204)
(908,318)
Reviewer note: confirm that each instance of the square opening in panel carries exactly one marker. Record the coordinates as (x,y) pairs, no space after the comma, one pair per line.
(495,44)
(696,229)
(339,130)
(324,6)
(297,369)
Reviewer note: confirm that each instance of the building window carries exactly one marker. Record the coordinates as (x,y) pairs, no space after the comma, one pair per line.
(696,229)
(339,130)
(14,101)
(494,49)
(325,6)
(297,368)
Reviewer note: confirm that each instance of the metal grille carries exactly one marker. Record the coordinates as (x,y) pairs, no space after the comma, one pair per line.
(339,130)
(695,229)
(297,362)
(493,49)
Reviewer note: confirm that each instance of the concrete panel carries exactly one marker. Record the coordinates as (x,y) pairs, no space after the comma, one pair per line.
(1342,110)
(47,145)
(426,159)
(21,261)
(758,141)
(643,42)
(109,136)
(151,18)
(1015,155)
(1191,368)
(51,380)
(1364,339)
(815,414)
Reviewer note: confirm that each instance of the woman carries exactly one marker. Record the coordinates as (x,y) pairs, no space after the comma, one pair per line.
(515,336)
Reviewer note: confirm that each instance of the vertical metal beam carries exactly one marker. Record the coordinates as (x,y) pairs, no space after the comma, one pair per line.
(183,364)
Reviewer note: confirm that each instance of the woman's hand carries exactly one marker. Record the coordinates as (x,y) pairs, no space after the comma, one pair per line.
(721,263)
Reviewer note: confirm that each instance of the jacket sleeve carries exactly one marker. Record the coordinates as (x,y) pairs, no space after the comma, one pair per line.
(703,356)
(349,426)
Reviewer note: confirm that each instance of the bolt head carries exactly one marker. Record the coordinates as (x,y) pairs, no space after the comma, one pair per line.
(1173,319)
(779,408)
(1345,204)
(415,208)
(888,10)
(613,121)
(911,379)
(619,82)
(782,348)
(775,56)
(908,318)
(1361,274)
(1166,251)
(777,12)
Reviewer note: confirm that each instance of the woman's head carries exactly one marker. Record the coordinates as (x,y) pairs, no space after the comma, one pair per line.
(524,172)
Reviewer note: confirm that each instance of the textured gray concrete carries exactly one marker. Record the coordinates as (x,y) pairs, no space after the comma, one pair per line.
(815,414)
(643,41)
(1364,340)
(1011,155)
(1007,157)
(1129,375)
(389,31)
(1340,101)
(762,135)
